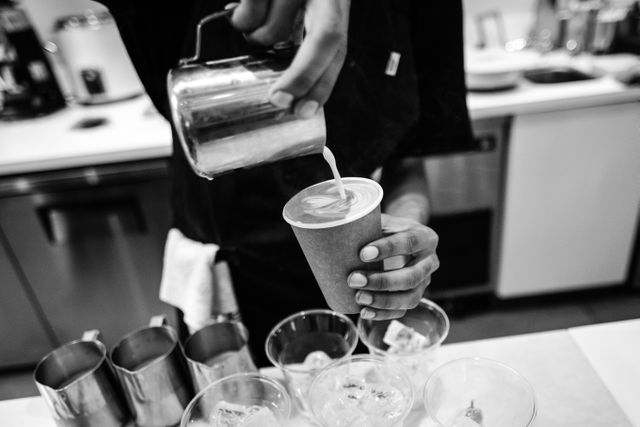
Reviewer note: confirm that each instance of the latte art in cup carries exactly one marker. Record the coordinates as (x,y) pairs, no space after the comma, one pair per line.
(320,206)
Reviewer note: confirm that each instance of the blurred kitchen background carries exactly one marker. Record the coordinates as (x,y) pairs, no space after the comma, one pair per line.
(538,224)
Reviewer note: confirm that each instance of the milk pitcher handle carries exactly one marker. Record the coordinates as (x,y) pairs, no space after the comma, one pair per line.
(296,36)
(214,16)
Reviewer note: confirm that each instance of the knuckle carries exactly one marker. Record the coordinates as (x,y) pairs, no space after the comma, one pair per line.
(399,313)
(417,276)
(384,302)
(388,247)
(379,282)
(280,34)
(435,263)
(341,54)
(427,282)
(414,300)
(413,243)
(435,239)
(378,314)
(245,19)
(384,282)
(244,26)
(375,282)
(301,84)
(267,36)
(426,269)
(394,303)
(322,91)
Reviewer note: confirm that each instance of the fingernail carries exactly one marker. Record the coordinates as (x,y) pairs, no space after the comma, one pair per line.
(364,298)
(308,109)
(369,253)
(281,99)
(357,280)
(365,313)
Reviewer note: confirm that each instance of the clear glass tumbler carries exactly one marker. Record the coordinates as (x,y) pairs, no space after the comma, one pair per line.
(428,320)
(361,391)
(247,399)
(479,392)
(304,343)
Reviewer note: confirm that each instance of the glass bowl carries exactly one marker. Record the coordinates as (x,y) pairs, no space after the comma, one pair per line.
(302,344)
(361,391)
(480,391)
(247,399)
(428,320)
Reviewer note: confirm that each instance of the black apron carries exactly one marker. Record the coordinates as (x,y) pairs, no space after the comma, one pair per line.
(372,117)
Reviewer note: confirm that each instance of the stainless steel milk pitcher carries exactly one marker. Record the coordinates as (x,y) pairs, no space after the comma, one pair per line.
(223,117)
(150,365)
(216,351)
(78,384)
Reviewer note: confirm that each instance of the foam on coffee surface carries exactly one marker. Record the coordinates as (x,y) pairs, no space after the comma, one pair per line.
(321,205)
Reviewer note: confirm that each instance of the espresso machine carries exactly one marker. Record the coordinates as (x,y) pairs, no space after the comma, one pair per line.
(28,87)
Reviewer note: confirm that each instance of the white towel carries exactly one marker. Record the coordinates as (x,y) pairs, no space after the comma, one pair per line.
(193,282)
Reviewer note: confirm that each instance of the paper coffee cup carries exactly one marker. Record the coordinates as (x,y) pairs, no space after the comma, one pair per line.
(331,231)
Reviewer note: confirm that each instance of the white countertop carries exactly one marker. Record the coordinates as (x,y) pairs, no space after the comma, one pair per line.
(582,377)
(133,133)
(613,350)
(569,393)
(530,98)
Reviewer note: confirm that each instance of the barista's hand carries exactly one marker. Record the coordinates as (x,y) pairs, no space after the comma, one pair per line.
(388,294)
(309,80)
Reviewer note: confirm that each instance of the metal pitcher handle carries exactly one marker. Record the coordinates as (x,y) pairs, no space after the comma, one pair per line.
(214,16)
(296,36)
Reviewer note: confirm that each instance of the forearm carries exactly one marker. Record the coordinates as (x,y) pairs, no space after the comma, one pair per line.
(405,185)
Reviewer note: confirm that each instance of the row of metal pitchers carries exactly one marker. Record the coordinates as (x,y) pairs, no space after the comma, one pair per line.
(147,378)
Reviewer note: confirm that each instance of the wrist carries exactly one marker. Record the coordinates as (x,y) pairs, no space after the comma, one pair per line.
(412,206)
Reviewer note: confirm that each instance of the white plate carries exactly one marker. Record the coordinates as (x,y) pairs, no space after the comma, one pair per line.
(496,61)
(494,69)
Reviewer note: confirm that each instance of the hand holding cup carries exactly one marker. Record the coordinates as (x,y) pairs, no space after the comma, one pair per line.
(389,294)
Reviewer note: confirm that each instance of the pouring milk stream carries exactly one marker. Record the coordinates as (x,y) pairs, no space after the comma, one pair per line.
(331,160)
